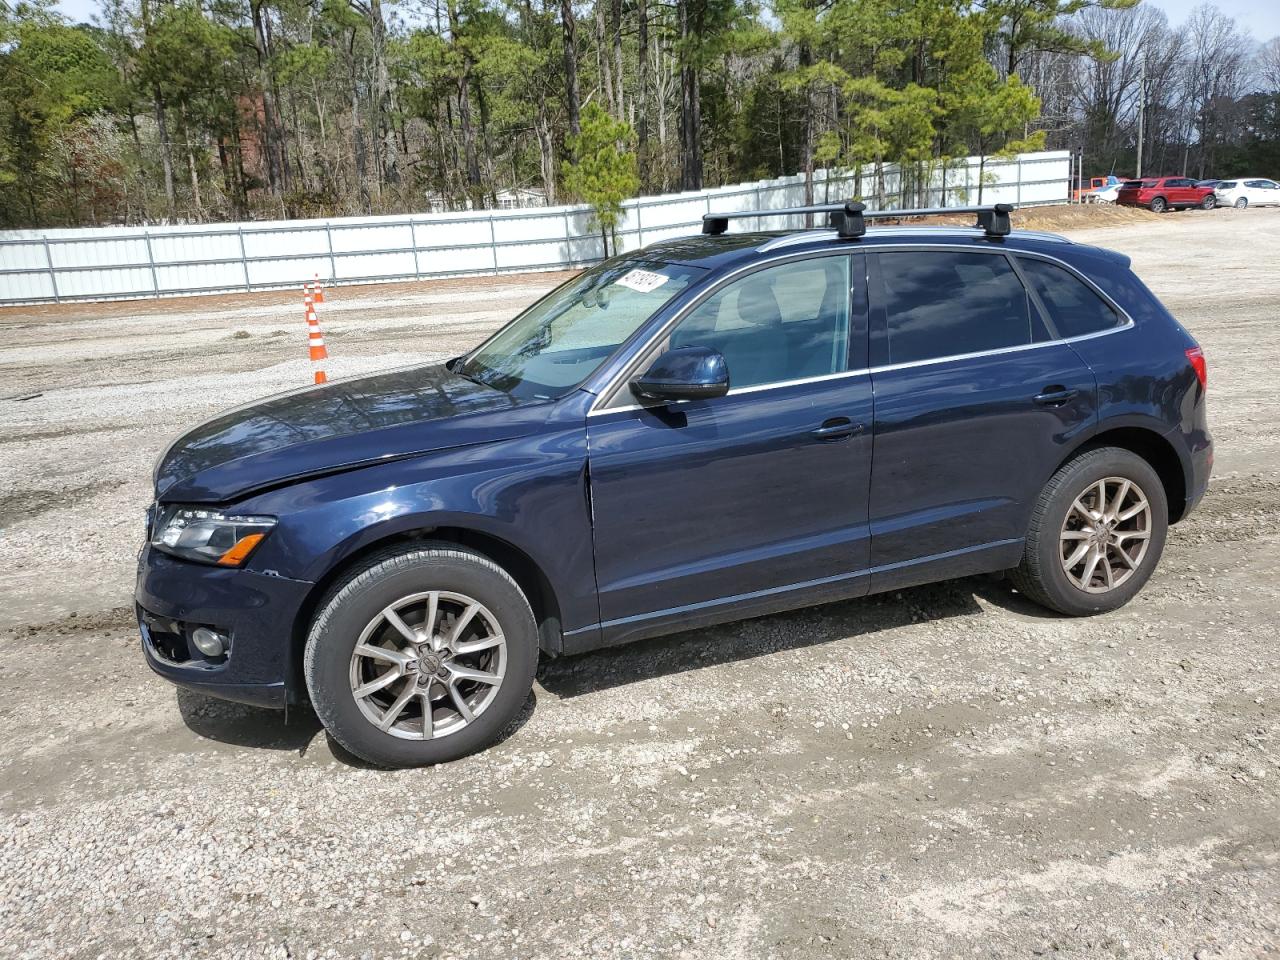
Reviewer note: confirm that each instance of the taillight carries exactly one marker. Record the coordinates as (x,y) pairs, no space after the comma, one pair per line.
(1195,356)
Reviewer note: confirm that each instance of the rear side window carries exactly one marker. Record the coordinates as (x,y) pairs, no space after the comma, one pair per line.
(942,304)
(1073,307)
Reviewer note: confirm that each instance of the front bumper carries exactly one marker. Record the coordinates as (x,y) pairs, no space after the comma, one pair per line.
(258,613)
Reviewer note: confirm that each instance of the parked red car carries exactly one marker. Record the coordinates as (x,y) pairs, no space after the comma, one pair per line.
(1159,194)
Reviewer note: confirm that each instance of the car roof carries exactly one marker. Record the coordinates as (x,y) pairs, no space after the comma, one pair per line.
(737,249)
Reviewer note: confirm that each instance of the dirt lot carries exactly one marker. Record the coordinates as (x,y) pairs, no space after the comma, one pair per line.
(942,772)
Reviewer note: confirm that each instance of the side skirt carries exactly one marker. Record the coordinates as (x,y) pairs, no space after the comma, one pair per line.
(983,558)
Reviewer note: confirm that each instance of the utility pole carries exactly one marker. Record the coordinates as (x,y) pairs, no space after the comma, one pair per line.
(1142,109)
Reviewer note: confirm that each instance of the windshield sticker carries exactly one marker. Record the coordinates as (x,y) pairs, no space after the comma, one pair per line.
(645,281)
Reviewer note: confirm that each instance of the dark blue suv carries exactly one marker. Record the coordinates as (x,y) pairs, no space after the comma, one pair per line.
(704,430)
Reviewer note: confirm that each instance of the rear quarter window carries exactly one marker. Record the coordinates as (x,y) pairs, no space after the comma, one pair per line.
(1074,308)
(1124,288)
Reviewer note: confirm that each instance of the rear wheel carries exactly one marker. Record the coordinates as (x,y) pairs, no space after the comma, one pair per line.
(1242,203)
(424,655)
(1096,534)
(1159,205)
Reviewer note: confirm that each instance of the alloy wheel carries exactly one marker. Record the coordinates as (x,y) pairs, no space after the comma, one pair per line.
(1241,203)
(427,665)
(1105,535)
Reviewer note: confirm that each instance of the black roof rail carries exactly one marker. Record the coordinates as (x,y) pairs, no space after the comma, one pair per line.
(849,218)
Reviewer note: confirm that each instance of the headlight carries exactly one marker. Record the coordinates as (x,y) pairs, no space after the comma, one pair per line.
(194,533)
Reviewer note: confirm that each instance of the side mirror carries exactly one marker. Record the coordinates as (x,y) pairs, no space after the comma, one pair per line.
(686,373)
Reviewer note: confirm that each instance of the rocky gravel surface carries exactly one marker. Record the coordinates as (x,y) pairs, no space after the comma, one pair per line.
(942,772)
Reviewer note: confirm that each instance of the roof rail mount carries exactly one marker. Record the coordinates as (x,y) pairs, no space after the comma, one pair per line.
(850,218)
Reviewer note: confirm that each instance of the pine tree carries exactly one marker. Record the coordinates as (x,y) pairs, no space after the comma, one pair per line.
(603,171)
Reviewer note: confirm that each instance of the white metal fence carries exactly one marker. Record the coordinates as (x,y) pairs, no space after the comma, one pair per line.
(126,262)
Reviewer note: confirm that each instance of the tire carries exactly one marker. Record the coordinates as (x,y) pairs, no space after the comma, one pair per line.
(1209,202)
(1055,534)
(405,580)
(1159,205)
(1242,203)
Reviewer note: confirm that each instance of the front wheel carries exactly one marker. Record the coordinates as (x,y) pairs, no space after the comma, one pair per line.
(1209,202)
(1096,534)
(1159,205)
(1242,203)
(424,655)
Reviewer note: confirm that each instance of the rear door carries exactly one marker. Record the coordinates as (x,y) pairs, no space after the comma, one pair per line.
(752,500)
(1262,192)
(975,405)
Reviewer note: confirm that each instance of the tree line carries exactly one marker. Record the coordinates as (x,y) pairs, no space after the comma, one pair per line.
(206,110)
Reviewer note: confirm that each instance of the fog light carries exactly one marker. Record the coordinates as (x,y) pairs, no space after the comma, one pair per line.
(209,642)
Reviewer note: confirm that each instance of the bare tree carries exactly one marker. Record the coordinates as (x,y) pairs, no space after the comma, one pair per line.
(1267,65)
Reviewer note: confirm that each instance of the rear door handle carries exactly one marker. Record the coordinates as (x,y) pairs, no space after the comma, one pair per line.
(837,428)
(1055,396)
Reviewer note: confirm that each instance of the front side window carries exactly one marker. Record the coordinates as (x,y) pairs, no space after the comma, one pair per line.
(943,304)
(1074,309)
(564,337)
(782,323)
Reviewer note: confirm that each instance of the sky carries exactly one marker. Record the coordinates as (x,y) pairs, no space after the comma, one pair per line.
(1259,17)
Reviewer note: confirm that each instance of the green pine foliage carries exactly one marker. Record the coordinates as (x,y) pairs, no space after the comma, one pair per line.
(603,170)
(205,110)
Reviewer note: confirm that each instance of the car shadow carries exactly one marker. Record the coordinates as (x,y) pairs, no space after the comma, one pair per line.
(294,731)
(599,670)
(241,725)
(999,592)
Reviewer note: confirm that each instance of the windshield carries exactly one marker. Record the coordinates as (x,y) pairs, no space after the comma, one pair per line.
(564,337)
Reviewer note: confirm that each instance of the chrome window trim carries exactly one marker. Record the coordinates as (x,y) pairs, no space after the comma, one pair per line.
(600,406)
(871,371)
(884,368)
(808,236)
(736,392)
(793,239)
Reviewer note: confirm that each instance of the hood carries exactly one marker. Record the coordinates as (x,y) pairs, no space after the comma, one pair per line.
(335,427)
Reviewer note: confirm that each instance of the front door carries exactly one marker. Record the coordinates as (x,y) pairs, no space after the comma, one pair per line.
(711,509)
(976,404)
(1183,191)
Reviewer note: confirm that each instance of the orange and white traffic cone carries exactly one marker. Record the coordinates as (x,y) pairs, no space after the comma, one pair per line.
(318,286)
(315,341)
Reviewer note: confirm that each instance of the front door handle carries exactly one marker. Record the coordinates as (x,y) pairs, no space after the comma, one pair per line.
(837,428)
(1055,396)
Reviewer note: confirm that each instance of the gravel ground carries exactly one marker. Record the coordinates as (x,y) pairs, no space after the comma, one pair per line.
(945,771)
